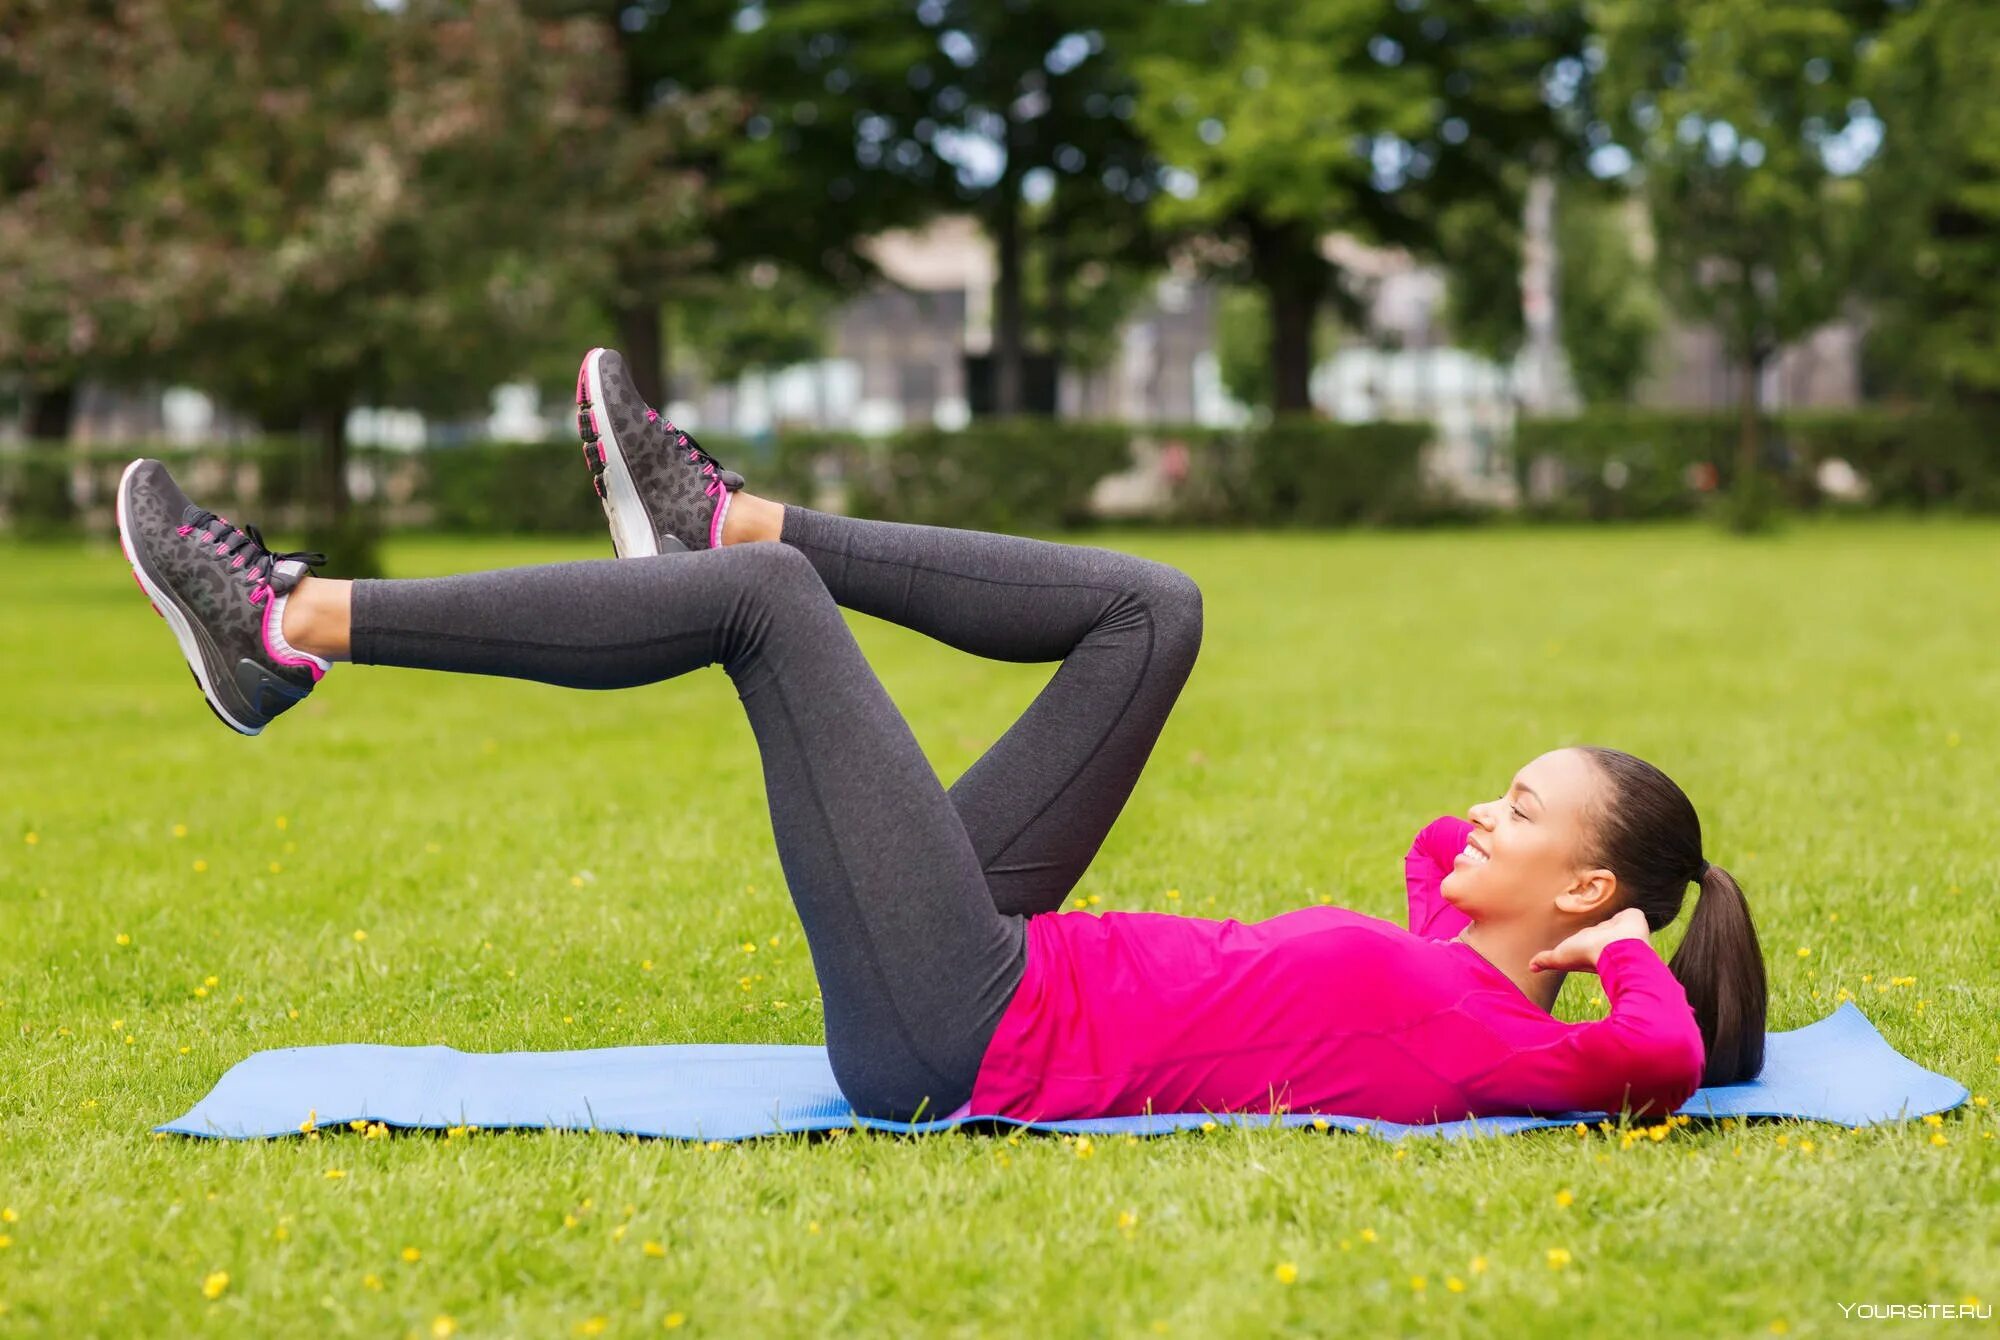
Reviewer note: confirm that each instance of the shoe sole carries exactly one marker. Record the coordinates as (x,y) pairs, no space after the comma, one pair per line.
(631,529)
(170,609)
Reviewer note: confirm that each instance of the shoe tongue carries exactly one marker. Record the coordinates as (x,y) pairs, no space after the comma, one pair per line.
(285,574)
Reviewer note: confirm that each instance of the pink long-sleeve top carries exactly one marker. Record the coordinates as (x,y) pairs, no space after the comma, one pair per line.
(1323,1010)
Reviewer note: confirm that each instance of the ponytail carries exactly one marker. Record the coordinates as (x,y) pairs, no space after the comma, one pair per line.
(1721,967)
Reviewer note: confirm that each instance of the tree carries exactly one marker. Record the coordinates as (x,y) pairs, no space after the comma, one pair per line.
(1609,310)
(301,209)
(1934,204)
(1284,120)
(1734,111)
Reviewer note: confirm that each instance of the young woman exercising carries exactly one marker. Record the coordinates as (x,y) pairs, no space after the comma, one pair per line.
(951,982)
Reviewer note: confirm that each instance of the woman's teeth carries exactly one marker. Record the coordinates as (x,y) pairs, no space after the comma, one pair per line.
(1473,854)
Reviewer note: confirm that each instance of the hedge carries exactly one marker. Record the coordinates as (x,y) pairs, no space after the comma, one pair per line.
(1029,476)
(1612,464)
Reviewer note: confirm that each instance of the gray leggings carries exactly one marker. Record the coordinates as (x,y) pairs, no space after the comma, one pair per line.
(914,899)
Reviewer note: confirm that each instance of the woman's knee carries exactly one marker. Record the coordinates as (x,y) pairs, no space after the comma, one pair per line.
(1174,602)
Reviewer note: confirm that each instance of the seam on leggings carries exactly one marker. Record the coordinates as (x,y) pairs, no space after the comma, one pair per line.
(962,576)
(1152,640)
(1145,666)
(915,1052)
(483,641)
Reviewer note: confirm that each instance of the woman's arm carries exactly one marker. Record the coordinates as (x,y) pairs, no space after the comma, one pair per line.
(1646,1054)
(1424,868)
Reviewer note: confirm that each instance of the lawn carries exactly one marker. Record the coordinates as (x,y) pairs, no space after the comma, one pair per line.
(419,859)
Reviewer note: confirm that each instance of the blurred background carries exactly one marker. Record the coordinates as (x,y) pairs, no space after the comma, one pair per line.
(1017,264)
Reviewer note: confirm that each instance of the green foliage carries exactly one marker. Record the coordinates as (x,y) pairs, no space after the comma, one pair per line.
(1609,306)
(1934,212)
(1729,106)
(767,317)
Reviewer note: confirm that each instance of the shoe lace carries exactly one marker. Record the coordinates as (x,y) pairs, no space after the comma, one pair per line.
(244,549)
(720,477)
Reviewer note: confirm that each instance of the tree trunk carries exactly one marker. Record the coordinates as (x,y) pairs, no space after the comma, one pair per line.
(51,412)
(1751,504)
(347,537)
(1286,263)
(1007,299)
(1055,287)
(644,348)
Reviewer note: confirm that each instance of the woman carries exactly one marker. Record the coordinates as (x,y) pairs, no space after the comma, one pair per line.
(951,983)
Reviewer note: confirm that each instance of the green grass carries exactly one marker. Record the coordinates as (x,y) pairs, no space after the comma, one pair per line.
(516,855)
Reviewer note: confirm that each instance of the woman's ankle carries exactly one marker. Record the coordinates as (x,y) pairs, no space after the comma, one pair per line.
(751,519)
(315,618)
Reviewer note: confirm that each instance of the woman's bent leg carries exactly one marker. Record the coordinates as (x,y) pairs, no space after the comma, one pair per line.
(1040,802)
(915,964)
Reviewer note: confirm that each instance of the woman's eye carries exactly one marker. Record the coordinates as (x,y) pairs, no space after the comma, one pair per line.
(1517,812)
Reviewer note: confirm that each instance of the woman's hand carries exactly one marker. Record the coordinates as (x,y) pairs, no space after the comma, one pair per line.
(1579,952)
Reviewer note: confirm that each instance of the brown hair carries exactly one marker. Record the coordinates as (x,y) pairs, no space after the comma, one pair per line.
(1648,836)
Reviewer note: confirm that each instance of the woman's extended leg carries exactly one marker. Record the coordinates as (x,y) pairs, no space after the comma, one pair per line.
(915,964)
(1038,804)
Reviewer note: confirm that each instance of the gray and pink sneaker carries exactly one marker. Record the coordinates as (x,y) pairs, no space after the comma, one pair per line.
(660,490)
(223,592)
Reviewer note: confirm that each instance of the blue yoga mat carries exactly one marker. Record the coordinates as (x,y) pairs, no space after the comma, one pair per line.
(1838,1069)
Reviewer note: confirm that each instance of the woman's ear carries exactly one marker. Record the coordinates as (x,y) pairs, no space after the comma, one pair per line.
(1593,895)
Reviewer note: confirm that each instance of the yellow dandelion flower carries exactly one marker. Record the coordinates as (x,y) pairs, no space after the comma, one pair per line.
(334,1174)
(673,1321)
(1979,1100)
(1399,1156)
(1368,1235)
(123,939)
(33,839)
(1780,1326)
(1940,1138)
(646,966)
(277,869)
(213,1285)
(1565,1198)
(1479,1265)
(372,1283)
(291,1014)
(6,1241)
(180,830)
(1558,1258)
(1173,893)
(618,1233)
(311,1122)
(360,937)
(1208,1125)
(1454,1283)
(592,1326)
(200,992)
(1093,900)
(748,946)
(1345,1244)
(200,867)
(1805,1146)
(412,1255)
(1320,1123)
(653,1249)
(443,1327)
(1286,1273)
(1933,1119)
(211,980)
(1804,952)
(570,1220)
(10,1215)
(1084,1148)
(812,1227)
(1417,1283)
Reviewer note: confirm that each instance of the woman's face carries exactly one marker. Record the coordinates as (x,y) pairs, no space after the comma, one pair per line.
(1527,847)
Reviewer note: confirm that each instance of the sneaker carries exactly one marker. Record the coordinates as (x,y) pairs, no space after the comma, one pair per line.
(660,490)
(222,591)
